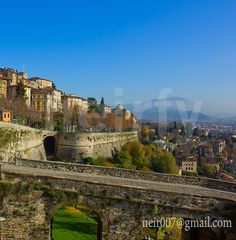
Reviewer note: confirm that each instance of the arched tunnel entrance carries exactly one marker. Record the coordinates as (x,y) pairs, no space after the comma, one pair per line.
(75,222)
(50,147)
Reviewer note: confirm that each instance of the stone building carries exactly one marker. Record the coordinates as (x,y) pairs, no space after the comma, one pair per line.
(107,109)
(10,74)
(218,146)
(34,84)
(189,165)
(85,105)
(69,101)
(204,149)
(3,87)
(13,76)
(120,111)
(56,100)
(42,83)
(46,100)
(39,92)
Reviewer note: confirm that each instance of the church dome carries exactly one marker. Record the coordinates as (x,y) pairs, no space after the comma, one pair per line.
(119,107)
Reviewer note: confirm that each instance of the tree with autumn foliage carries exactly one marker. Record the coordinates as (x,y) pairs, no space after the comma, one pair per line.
(145,157)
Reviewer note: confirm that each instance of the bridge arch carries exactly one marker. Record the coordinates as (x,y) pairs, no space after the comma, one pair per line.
(91,204)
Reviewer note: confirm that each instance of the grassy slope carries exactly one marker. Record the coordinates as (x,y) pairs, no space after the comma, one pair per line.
(72,224)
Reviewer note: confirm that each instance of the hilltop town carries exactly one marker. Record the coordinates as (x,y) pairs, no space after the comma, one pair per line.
(206,149)
(37,102)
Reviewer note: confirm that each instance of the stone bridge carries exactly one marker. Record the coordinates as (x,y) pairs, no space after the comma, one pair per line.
(123,199)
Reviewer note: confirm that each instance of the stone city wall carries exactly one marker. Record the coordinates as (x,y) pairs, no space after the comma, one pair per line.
(20,141)
(72,147)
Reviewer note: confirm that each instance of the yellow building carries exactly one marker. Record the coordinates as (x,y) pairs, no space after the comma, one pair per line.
(127,115)
(3,87)
(9,74)
(69,101)
(42,100)
(42,83)
(12,75)
(46,100)
(5,115)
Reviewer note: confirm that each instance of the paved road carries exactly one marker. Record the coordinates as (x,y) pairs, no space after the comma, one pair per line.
(122,182)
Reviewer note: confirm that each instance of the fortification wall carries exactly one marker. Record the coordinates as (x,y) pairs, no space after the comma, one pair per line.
(20,141)
(73,147)
(25,142)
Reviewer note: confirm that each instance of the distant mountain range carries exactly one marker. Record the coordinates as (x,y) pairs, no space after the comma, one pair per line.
(174,108)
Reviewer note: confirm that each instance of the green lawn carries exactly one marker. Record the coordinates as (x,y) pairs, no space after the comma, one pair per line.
(72,224)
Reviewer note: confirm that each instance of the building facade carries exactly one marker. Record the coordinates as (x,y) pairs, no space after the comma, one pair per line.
(3,87)
(42,83)
(69,101)
(218,146)
(189,165)
(46,100)
(5,115)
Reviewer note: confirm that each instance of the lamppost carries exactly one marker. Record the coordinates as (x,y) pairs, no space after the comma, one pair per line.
(2,219)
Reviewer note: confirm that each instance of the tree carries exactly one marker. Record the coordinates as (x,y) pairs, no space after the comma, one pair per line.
(157,131)
(102,101)
(124,160)
(135,155)
(54,85)
(75,116)
(20,90)
(99,161)
(20,110)
(58,122)
(34,118)
(136,151)
(209,170)
(93,105)
(102,106)
(196,132)
(163,162)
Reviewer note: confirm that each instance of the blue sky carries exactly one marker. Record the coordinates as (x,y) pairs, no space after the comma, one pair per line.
(91,48)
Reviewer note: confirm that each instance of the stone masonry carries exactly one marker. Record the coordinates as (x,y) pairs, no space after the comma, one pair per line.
(121,203)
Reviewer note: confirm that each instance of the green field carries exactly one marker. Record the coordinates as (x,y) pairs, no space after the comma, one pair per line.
(72,224)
